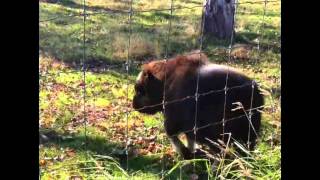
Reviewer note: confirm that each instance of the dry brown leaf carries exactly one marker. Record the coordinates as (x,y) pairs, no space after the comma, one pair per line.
(42,162)
(70,152)
(76,178)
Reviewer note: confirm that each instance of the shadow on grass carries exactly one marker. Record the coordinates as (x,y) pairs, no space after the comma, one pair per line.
(97,145)
(140,165)
(150,164)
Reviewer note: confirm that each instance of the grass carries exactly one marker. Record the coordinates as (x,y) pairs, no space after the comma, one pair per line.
(65,155)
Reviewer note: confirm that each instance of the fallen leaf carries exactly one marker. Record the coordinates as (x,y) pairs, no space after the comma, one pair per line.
(42,162)
(140,140)
(59,158)
(170,152)
(70,152)
(82,84)
(75,178)
(151,147)
(151,138)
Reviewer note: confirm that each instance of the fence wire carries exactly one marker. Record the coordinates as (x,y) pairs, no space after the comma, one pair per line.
(121,11)
(84,74)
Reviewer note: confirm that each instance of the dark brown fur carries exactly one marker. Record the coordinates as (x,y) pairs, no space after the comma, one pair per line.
(178,79)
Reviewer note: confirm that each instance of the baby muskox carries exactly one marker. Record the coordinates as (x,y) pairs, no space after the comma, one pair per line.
(176,81)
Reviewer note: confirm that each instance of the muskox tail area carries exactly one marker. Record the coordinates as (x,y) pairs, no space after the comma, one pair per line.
(255,114)
(245,120)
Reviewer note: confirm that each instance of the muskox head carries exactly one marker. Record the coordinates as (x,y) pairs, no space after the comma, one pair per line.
(148,91)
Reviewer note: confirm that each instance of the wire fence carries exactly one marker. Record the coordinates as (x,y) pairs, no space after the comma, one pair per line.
(109,10)
(128,65)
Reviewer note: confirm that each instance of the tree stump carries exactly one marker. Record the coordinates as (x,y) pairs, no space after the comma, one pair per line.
(219,18)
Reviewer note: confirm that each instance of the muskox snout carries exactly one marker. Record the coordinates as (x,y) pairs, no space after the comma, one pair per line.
(143,104)
(140,102)
(135,103)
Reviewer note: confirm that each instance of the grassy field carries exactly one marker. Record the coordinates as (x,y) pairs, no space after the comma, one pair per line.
(63,151)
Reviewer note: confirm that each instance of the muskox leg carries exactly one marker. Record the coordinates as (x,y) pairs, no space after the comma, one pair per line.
(191,139)
(191,144)
(180,148)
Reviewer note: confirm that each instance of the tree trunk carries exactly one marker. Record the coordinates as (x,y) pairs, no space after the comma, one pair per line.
(219,18)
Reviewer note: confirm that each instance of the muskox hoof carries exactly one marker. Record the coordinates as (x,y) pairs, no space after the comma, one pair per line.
(200,154)
(187,155)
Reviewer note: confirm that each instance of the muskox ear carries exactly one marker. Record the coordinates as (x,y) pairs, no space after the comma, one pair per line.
(154,70)
(150,75)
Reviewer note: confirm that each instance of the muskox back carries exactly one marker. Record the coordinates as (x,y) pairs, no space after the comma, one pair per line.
(235,109)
